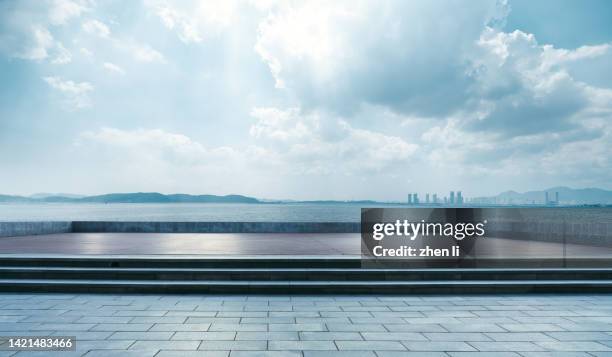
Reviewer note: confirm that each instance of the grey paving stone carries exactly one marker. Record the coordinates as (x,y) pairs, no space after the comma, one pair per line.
(348,314)
(120,353)
(559,354)
(104,319)
(580,336)
(267,320)
(233,345)
(370,345)
(192,354)
(295,314)
(301,345)
(519,336)
(85,335)
(240,314)
(85,346)
(506,346)
(393,336)
(191,313)
(238,327)
(158,320)
(210,336)
(255,336)
(377,320)
(415,328)
(473,328)
(356,327)
(339,354)
(61,326)
(42,318)
(265,354)
(142,336)
(484,354)
(530,327)
(165,345)
(121,327)
(330,336)
(579,346)
(209,320)
(180,327)
(576,327)
(410,354)
(323,320)
(456,336)
(297,327)
(442,346)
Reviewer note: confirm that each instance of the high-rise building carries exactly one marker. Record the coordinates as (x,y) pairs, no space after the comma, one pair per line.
(427,198)
(435,198)
(410,198)
(546,201)
(557,197)
(459,198)
(415,199)
(452,197)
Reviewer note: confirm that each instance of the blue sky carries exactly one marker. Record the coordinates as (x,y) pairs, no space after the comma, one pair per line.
(304,99)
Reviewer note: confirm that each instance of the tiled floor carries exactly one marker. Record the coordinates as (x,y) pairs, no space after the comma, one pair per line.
(313,326)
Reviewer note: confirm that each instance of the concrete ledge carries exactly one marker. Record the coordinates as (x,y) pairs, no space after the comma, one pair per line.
(15,229)
(215,227)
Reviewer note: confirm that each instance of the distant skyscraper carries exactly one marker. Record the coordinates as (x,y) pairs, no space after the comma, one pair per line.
(415,199)
(546,198)
(452,197)
(459,198)
(410,198)
(427,198)
(435,198)
(557,197)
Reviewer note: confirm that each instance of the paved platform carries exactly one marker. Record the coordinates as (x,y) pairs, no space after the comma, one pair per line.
(185,243)
(265,244)
(314,326)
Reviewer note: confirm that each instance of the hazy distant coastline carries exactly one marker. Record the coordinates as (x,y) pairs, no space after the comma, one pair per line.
(569,196)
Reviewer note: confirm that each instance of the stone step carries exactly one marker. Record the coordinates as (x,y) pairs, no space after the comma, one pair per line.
(284,287)
(301,274)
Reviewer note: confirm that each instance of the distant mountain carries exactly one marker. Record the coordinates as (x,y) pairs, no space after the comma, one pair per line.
(567,196)
(45,195)
(138,197)
(155,197)
(9,198)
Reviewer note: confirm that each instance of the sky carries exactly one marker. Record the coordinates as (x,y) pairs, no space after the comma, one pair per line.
(305,99)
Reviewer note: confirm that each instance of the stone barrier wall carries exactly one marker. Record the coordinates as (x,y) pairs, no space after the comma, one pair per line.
(215,227)
(15,229)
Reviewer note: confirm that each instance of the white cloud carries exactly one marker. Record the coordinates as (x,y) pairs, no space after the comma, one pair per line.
(158,160)
(63,55)
(61,11)
(27,29)
(409,56)
(41,42)
(97,28)
(113,68)
(145,53)
(324,144)
(86,52)
(75,93)
(195,20)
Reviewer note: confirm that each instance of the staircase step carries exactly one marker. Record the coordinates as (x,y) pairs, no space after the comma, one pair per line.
(245,286)
(301,274)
